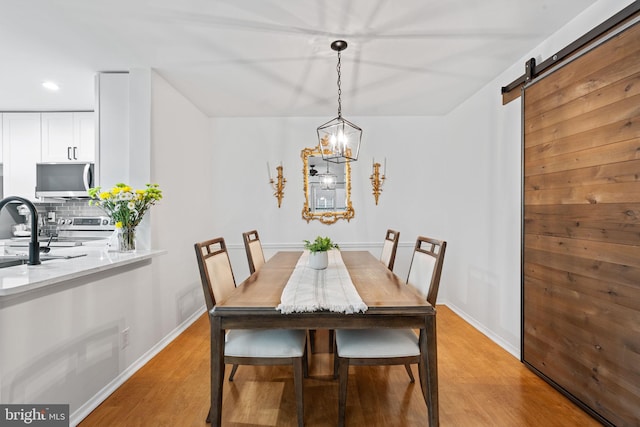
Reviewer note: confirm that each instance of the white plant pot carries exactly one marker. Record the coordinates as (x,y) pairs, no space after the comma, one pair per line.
(318,260)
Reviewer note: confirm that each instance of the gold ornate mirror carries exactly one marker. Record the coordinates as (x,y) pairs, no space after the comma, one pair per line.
(327,188)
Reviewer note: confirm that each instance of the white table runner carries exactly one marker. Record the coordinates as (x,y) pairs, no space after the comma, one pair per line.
(313,290)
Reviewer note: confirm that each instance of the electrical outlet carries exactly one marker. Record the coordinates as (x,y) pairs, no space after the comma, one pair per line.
(125,338)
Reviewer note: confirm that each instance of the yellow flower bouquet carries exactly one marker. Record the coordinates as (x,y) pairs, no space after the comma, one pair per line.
(126,207)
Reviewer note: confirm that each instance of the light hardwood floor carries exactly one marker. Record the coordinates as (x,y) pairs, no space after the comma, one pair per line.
(480,385)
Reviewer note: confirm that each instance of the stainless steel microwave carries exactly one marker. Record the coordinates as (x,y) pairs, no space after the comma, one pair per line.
(64,180)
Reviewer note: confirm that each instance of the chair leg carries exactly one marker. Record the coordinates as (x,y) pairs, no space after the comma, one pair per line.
(234,368)
(408,368)
(312,340)
(335,359)
(423,386)
(332,334)
(305,362)
(343,367)
(298,385)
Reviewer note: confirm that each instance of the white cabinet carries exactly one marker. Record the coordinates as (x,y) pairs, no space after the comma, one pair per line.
(20,152)
(114,127)
(84,136)
(68,137)
(0,144)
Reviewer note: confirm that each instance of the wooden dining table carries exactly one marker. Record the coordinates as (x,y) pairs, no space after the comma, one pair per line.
(391,304)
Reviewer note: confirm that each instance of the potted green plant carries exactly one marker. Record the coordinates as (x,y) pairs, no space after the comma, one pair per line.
(318,257)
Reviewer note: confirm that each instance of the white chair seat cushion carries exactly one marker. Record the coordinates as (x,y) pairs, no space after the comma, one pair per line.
(376,343)
(265,343)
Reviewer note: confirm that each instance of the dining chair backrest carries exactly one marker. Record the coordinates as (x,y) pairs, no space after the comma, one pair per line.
(252,245)
(215,270)
(389,248)
(426,267)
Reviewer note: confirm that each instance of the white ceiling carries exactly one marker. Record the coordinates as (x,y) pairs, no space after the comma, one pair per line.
(273,57)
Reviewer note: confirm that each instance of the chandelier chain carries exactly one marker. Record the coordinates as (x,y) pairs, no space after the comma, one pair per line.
(339,88)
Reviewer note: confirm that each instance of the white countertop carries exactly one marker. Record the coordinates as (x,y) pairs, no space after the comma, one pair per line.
(23,278)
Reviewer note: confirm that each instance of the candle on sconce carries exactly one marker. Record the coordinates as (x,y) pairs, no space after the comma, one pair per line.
(279,183)
(377,177)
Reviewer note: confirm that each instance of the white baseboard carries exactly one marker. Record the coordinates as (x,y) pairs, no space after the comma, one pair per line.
(81,413)
(493,337)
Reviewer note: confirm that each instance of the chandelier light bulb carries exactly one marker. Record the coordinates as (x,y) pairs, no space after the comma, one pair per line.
(342,137)
(328,182)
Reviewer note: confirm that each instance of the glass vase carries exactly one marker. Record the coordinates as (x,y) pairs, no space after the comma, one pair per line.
(126,239)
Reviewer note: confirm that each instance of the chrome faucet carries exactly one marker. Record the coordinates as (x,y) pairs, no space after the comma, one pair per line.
(34,246)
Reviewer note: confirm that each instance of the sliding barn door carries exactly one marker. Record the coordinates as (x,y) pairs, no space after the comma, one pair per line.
(581,231)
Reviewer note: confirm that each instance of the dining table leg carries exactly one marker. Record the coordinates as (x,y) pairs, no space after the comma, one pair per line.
(428,368)
(217,370)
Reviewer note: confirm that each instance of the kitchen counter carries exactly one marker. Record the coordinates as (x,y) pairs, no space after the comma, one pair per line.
(95,258)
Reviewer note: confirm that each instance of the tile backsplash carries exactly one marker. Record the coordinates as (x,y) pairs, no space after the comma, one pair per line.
(67,208)
(47,224)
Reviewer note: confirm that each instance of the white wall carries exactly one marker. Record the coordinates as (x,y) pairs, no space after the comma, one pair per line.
(483,275)
(182,164)
(446,179)
(414,146)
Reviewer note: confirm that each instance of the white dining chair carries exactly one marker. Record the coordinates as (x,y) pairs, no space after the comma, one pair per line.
(387,257)
(253,247)
(248,346)
(370,347)
(389,248)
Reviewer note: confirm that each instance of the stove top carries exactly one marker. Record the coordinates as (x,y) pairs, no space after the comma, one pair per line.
(85,228)
(85,223)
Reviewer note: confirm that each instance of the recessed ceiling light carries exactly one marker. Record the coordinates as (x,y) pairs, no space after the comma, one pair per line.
(50,85)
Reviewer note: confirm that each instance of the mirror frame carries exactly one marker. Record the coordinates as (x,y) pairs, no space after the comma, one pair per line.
(324,217)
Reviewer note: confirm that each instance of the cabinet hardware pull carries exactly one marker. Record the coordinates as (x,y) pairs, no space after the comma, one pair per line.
(69,153)
(75,155)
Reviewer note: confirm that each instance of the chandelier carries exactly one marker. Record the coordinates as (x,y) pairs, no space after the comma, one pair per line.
(328,180)
(339,139)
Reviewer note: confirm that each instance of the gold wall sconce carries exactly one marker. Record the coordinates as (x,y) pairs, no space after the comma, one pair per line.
(278,183)
(377,180)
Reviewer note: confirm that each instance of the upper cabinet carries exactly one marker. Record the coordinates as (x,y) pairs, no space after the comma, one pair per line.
(114,128)
(0,141)
(30,138)
(68,137)
(21,152)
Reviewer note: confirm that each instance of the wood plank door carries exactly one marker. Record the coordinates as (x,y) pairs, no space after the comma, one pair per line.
(581,229)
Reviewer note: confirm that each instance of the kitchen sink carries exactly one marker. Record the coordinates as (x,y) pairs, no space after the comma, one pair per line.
(12,260)
(20,242)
